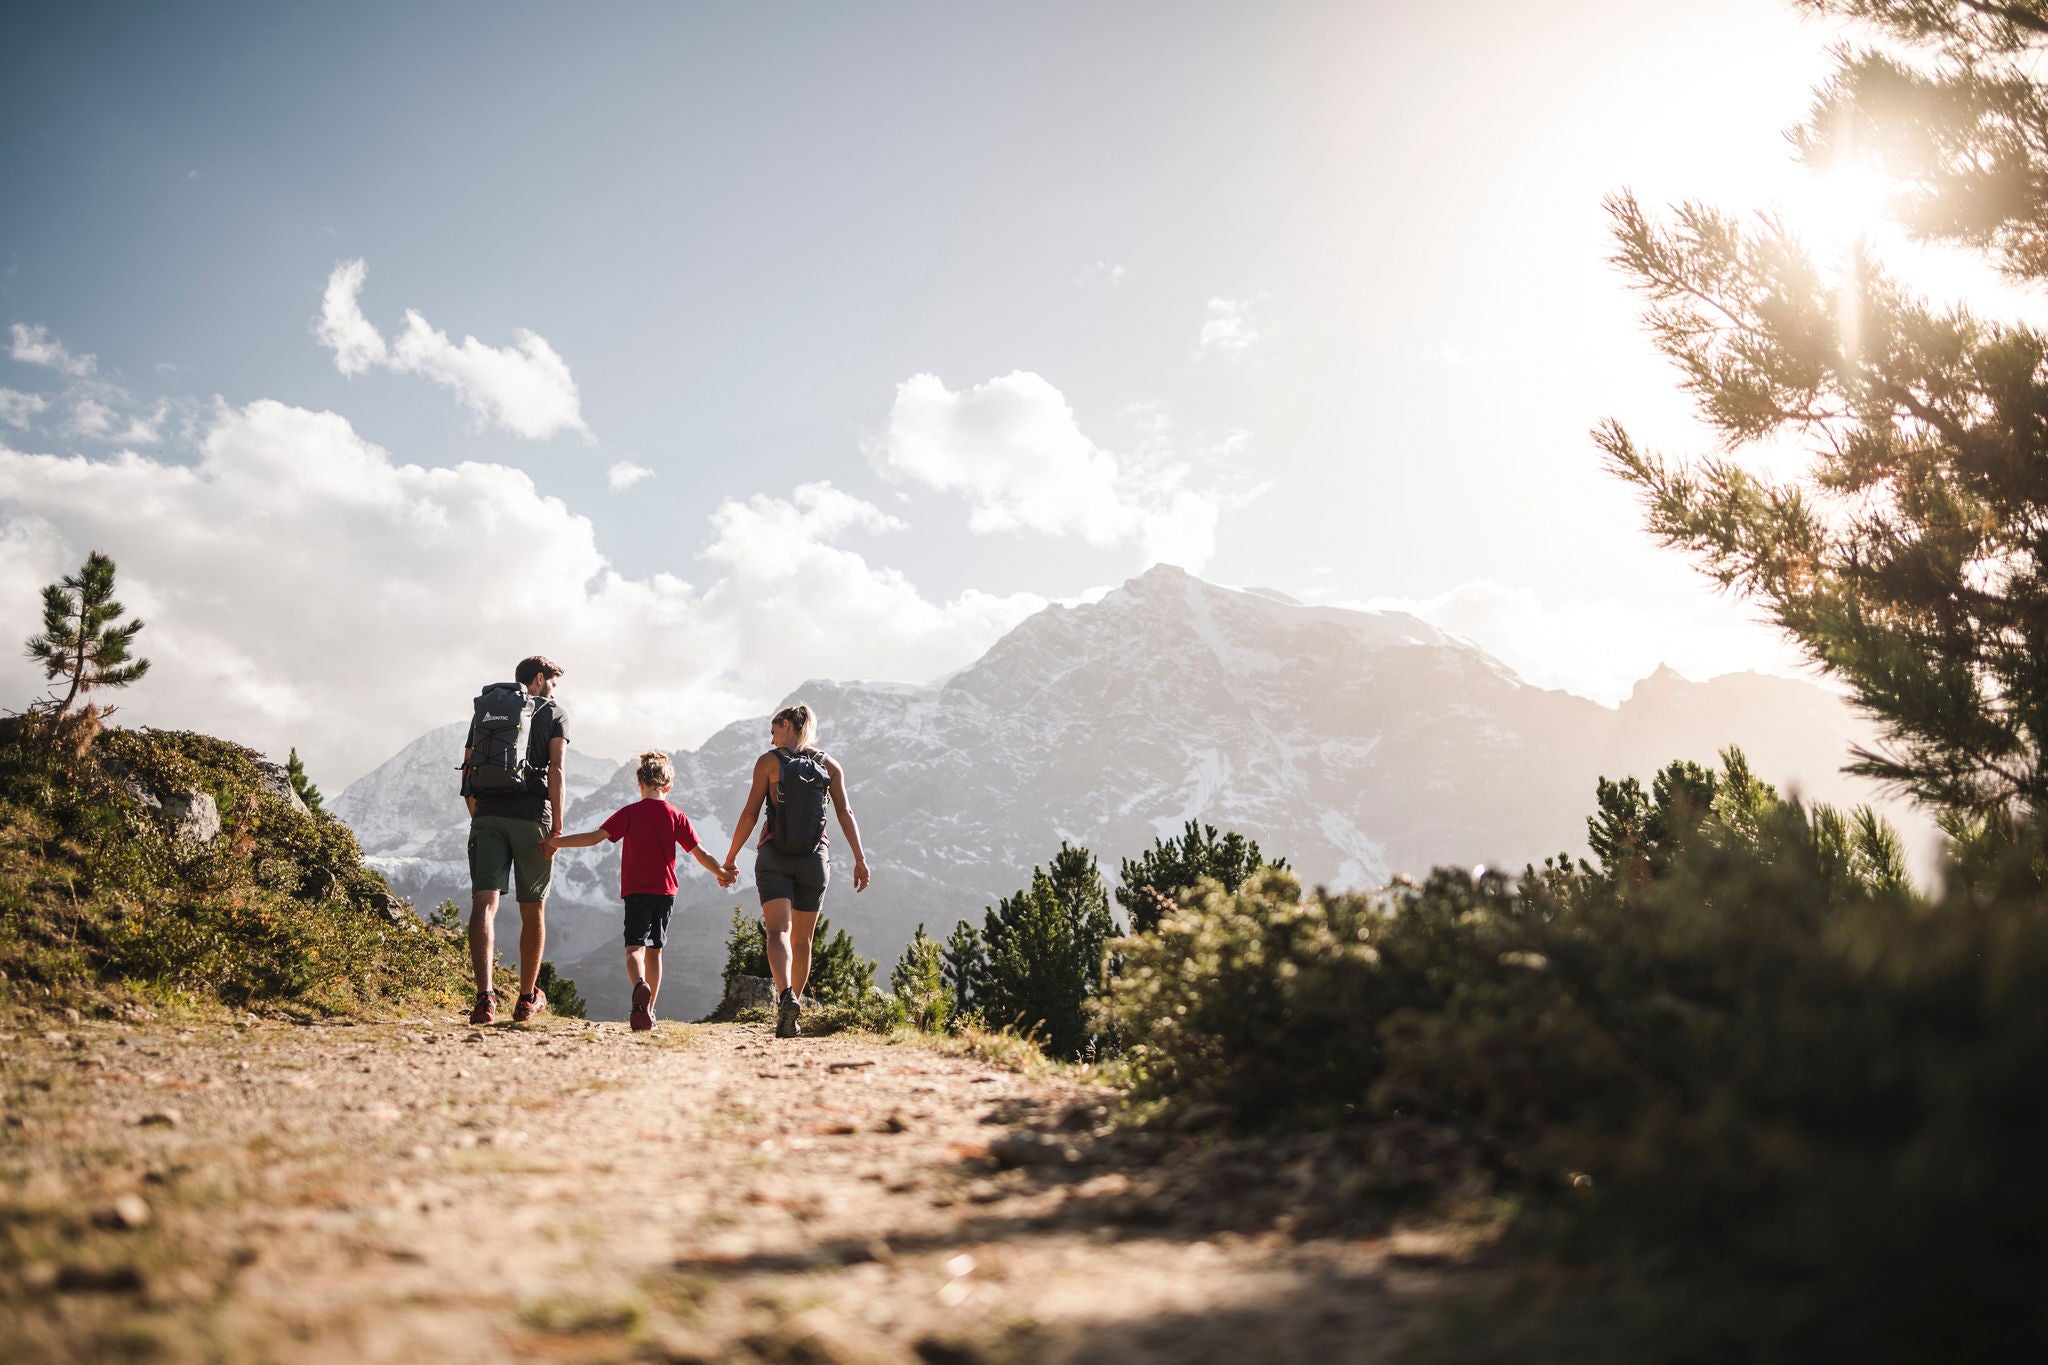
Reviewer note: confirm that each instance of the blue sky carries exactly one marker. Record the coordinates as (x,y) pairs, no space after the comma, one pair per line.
(1026,297)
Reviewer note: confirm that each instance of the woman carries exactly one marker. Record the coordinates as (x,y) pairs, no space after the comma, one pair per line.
(793,863)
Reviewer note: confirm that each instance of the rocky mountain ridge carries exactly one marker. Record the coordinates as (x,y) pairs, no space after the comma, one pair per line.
(1356,744)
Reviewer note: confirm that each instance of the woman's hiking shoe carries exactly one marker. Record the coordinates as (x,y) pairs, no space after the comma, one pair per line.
(529,1005)
(642,1017)
(786,1011)
(486,1011)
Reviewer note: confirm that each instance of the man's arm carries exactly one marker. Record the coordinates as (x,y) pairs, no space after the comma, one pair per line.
(467,799)
(558,750)
(846,822)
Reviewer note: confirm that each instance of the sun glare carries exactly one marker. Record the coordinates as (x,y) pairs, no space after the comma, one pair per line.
(1832,212)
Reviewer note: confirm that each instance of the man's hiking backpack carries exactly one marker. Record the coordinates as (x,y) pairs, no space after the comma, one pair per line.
(499,735)
(805,790)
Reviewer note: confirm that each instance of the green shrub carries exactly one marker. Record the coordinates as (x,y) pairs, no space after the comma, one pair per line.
(1791,1109)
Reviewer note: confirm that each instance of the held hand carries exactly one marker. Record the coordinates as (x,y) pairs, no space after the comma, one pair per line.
(550,845)
(860,874)
(727,877)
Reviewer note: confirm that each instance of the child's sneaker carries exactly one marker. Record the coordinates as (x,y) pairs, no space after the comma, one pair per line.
(642,1017)
(529,1005)
(486,1011)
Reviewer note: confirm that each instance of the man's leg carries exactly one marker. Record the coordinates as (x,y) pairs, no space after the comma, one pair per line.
(533,939)
(775,917)
(653,975)
(483,943)
(804,928)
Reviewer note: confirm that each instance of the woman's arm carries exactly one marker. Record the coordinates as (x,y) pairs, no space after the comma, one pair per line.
(764,767)
(846,822)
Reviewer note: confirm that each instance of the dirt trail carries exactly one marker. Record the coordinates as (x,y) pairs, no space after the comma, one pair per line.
(572,1191)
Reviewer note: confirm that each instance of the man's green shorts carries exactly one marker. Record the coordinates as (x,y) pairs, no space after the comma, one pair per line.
(500,845)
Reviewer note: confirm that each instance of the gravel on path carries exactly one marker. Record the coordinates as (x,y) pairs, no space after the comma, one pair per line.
(566,1190)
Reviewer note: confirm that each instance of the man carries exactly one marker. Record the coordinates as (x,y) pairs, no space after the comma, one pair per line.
(508,831)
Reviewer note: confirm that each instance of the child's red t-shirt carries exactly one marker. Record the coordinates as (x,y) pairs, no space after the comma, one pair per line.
(653,831)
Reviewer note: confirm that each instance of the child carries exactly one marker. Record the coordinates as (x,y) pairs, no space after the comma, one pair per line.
(652,830)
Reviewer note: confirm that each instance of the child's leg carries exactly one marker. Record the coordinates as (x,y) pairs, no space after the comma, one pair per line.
(653,974)
(633,971)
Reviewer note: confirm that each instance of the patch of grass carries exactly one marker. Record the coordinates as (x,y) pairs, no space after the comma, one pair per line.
(617,1317)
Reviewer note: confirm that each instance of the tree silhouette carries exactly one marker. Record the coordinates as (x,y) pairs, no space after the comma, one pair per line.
(1912,561)
(82,648)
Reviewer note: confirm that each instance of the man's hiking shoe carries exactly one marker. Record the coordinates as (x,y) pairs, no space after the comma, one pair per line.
(642,1017)
(529,1005)
(786,1011)
(486,1011)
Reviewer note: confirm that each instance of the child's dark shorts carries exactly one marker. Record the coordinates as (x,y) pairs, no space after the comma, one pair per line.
(647,920)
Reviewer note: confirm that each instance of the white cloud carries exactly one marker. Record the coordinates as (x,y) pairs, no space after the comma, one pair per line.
(1600,648)
(1102,272)
(525,388)
(1013,449)
(625,474)
(1228,328)
(343,328)
(17,407)
(35,346)
(97,421)
(304,588)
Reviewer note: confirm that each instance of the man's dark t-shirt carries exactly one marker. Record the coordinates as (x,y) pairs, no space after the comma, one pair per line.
(550,721)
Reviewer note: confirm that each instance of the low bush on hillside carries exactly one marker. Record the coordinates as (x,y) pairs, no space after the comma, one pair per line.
(1740,1057)
(100,892)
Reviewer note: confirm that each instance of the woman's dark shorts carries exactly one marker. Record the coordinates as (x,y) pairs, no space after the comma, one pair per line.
(798,878)
(647,920)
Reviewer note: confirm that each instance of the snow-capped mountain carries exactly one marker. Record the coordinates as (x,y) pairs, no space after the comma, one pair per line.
(1356,744)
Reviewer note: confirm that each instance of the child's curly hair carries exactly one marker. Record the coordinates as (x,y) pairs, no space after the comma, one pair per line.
(656,770)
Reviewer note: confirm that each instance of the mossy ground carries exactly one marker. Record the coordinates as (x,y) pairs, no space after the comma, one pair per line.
(103,909)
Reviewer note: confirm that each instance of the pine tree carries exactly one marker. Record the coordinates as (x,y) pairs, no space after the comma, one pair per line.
(1148,887)
(746,947)
(1044,953)
(1912,563)
(82,648)
(966,967)
(302,784)
(838,973)
(563,997)
(918,981)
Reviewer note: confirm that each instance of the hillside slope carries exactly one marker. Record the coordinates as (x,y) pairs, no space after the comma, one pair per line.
(146,868)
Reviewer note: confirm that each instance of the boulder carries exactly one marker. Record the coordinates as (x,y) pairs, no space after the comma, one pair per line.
(393,909)
(193,817)
(272,780)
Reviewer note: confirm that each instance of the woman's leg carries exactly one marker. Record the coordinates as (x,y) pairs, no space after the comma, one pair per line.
(802,930)
(775,917)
